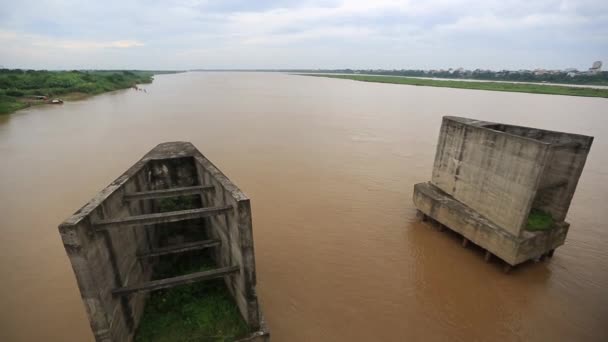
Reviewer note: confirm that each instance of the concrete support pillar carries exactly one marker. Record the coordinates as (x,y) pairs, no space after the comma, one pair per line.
(488,256)
(465,242)
(421,216)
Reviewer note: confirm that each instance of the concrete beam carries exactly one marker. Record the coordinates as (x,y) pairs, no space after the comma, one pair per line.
(176,281)
(554,185)
(568,144)
(488,256)
(465,242)
(477,229)
(172,216)
(174,192)
(186,247)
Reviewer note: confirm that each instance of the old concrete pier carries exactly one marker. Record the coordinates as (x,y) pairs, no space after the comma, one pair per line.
(488,177)
(113,241)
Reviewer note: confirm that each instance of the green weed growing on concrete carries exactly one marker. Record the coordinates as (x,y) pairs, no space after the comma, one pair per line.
(197,312)
(539,220)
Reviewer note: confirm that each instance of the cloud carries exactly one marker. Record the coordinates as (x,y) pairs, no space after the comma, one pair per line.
(84,45)
(11,37)
(310,33)
(32,50)
(331,32)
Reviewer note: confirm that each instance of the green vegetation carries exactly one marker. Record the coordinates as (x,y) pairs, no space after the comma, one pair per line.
(197,312)
(19,88)
(539,220)
(9,104)
(550,76)
(202,311)
(178,203)
(494,86)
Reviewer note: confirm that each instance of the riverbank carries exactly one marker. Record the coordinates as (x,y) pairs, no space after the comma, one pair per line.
(481,85)
(24,88)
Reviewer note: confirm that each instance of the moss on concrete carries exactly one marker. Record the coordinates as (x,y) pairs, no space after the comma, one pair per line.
(539,220)
(198,312)
(178,203)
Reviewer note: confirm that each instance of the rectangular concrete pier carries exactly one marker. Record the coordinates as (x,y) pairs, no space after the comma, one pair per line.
(113,242)
(488,177)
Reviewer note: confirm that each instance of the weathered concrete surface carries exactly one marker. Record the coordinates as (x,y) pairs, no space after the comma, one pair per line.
(487,177)
(105,238)
(493,172)
(262,335)
(460,218)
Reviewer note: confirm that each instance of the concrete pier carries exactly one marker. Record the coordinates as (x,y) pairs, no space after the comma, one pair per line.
(113,241)
(487,177)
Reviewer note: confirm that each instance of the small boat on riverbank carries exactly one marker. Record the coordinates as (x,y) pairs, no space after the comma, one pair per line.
(56,101)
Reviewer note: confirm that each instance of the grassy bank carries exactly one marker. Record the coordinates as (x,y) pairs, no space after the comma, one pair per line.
(494,86)
(20,88)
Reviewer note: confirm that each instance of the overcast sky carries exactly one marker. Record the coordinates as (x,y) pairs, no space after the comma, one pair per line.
(387,34)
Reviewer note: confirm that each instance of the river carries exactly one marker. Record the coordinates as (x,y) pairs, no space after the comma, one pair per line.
(329,165)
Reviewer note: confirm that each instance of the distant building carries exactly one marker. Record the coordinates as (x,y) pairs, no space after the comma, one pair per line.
(596,67)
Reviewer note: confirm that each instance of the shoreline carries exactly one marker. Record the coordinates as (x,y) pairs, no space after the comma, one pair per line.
(576,85)
(69,97)
(531,88)
(28,88)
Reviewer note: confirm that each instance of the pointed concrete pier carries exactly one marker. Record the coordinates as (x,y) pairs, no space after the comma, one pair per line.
(113,241)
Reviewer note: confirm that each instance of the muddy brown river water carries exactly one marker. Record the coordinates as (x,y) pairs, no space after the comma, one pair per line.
(329,165)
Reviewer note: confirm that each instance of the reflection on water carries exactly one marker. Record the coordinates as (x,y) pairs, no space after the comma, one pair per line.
(329,165)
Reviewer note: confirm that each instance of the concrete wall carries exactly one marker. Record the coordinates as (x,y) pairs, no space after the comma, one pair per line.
(567,156)
(514,250)
(488,176)
(492,172)
(463,220)
(234,229)
(106,259)
(560,177)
